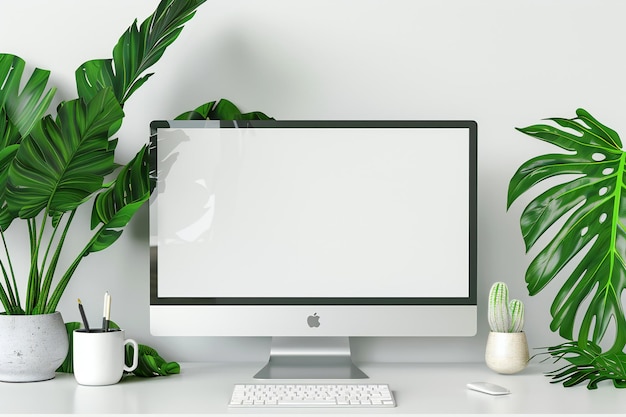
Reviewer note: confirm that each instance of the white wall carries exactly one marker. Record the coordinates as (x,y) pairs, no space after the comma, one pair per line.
(504,64)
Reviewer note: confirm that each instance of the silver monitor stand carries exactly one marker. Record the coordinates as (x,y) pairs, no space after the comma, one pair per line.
(310,358)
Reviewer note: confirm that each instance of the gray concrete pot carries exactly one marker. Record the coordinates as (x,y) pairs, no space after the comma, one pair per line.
(31,347)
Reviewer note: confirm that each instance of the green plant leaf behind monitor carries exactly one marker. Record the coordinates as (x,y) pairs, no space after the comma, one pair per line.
(221,110)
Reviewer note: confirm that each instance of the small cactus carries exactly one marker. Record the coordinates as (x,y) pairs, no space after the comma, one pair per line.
(504,316)
(516,309)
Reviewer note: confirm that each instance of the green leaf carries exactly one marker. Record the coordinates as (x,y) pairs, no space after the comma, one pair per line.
(588,364)
(137,50)
(9,135)
(103,240)
(25,108)
(63,162)
(114,207)
(199,113)
(68,364)
(150,364)
(223,110)
(7,155)
(592,208)
(19,112)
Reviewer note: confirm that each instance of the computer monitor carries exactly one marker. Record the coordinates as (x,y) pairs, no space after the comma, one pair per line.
(311,232)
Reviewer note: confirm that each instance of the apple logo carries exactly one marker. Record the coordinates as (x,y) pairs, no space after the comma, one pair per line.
(313,321)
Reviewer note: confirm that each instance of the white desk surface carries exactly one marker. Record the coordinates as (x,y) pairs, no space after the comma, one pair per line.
(429,389)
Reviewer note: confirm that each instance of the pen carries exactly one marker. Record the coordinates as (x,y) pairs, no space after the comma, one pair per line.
(82,314)
(106,314)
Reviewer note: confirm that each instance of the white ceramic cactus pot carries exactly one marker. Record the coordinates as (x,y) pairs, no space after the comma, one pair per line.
(32,347)
(507,353)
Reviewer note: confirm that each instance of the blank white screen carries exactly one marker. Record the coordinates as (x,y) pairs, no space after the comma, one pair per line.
(314,212)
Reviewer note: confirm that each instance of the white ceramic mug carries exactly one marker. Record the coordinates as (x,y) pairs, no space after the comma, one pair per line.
(98,356)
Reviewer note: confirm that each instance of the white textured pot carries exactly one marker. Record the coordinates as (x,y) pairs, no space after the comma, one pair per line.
(507,353)
(32,347)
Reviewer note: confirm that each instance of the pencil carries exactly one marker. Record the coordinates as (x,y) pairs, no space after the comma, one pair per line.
(82,314)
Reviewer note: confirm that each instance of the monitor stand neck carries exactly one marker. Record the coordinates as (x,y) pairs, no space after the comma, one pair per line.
(310,358)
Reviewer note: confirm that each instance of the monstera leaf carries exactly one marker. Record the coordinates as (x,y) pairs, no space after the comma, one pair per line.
(591,203)
(588,365)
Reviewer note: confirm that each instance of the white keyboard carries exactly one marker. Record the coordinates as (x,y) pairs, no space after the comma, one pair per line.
(312,395)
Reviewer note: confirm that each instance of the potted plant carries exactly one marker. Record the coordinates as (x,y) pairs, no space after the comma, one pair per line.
(507,347)
(52,166)
(590,241)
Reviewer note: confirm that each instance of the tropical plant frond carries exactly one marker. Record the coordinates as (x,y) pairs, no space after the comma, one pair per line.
(19,112)
(592,208)
(23,108)
(587,364)
(9,135)
(221,110)
(63,162)
(68,364)
(151,364)
(137,50)
(7,155)
(114,207)
(602,136)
